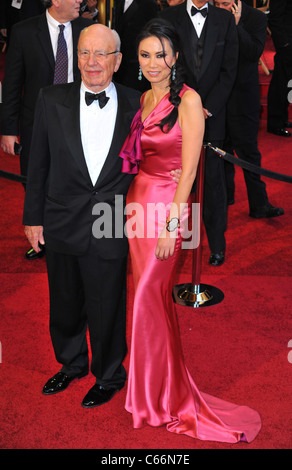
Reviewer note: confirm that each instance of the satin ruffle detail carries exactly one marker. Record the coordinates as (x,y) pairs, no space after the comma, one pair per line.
(131,151)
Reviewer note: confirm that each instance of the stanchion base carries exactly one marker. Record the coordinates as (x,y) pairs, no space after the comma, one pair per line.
(196,296)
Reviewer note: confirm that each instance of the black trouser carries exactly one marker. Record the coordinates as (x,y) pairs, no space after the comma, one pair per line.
(278,90)
(242,132)
(215,200)
(88,291)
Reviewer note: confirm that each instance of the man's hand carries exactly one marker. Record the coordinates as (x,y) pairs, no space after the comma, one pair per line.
(7,143)
(236,10)
(176,174)
(91,5)
(35,236)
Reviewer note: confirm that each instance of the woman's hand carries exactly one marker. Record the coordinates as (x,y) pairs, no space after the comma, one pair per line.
(165,244)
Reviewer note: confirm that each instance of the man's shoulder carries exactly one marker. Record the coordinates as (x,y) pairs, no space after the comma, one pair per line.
(29,24)
(147,4)
(59,91)
(220,13)
(254,15)
(172,13)
(130,93)
(82,22)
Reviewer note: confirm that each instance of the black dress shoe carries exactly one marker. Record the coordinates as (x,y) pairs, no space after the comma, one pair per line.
(216,259)
(266,211)
(279,131)
(288,124)
(32,254)
(60,382)
(97,396)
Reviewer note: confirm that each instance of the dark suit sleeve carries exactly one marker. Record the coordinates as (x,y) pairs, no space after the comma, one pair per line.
(218,96)
(39,164)
(12,86)
(252,39)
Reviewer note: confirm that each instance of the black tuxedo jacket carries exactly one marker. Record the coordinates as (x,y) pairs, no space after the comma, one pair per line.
(29,67)
(219,63)
(280,22)
(129,25)
(252,34)
(10,15)
(60,195)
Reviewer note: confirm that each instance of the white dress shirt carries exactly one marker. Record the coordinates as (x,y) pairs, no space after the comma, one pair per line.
(128,3)
(198,20)
(54,34)
(97,128)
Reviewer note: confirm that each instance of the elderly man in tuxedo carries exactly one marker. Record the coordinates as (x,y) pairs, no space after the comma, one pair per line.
(74,164)
(210,52)
(243,107)
(30,65)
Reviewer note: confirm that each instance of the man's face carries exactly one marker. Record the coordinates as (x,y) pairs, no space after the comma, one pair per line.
(97,69)
(173,3)
(199,3)
(226,4)
(65,10)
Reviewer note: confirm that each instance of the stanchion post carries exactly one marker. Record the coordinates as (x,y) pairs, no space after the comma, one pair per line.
(196,294)
(198,199)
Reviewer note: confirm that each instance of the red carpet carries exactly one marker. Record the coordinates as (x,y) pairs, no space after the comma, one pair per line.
(236,350)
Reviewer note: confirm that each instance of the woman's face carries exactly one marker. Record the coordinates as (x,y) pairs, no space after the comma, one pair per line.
(156,61)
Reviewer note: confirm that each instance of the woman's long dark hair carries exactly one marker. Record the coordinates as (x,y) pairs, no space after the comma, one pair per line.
(162,29)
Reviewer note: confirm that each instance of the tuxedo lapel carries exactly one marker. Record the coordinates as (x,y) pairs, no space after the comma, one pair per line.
(210,39)
(130,11)
(45,40)
(125,114)
(186,32)
(69,115)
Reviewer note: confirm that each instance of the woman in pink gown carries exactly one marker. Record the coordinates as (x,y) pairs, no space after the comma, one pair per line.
(166,133)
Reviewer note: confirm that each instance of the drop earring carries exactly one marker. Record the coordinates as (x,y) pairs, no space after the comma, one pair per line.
(140,73)
(173,72)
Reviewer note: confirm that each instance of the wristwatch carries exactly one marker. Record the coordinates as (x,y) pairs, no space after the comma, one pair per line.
(172,224)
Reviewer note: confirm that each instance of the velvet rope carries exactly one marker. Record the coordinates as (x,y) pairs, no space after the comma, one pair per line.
(221,153)
(249,166)
(12,176)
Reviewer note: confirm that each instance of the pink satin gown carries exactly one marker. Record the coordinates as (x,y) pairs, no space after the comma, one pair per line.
(160,388)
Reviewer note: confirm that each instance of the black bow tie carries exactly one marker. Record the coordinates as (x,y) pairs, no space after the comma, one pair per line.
(203,12)
(101,97)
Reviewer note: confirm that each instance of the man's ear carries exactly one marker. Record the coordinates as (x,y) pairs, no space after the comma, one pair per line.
(118,61)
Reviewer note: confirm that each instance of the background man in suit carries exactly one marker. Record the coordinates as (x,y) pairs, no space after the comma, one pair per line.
(30,65)
(74,164)
(9,14)
(280,23)
(210,48)
(243,107)
(129,18)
